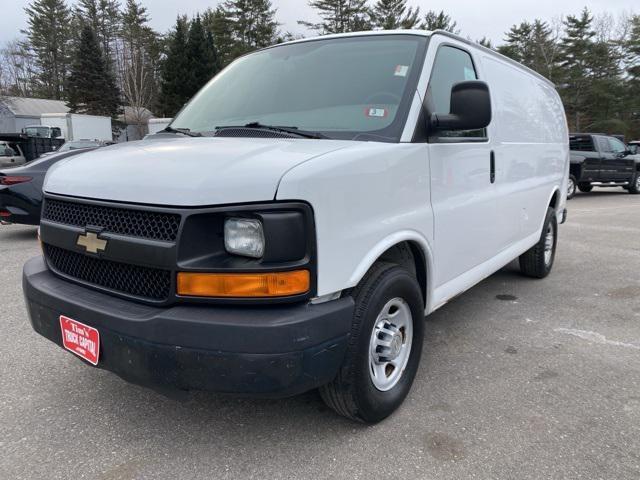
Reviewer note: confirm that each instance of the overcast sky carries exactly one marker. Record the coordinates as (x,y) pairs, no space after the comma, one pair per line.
(476,19)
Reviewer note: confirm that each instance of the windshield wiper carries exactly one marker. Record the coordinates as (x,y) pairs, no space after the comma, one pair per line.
(183,131)
(276,128)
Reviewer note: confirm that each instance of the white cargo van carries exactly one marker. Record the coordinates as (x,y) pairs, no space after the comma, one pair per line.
(294,232)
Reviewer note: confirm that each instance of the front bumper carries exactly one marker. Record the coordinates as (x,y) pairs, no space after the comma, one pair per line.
(274,351)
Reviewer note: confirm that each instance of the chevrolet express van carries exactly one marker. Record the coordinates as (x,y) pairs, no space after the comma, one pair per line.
(300,216)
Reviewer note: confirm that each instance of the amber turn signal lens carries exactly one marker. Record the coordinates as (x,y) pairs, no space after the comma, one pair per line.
(243,285)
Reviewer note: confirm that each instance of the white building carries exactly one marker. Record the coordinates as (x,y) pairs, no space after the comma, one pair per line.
(18,112)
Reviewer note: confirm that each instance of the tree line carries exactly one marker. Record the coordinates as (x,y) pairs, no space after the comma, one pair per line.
(102,54)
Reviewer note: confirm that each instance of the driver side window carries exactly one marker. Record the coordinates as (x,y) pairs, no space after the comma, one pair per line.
(452,65)
(617,146)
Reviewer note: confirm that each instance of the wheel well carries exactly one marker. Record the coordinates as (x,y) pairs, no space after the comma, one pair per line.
(554,200)
(409,255)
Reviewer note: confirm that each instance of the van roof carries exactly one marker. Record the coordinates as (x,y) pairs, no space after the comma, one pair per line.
(422,33)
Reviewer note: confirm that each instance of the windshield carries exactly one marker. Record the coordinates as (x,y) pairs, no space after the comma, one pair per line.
(76,145)
(37,131)
(356,88)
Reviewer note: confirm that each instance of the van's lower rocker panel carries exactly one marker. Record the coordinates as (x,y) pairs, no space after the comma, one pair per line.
(455,287)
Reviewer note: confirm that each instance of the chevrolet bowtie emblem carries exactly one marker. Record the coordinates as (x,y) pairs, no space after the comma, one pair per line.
(91,242)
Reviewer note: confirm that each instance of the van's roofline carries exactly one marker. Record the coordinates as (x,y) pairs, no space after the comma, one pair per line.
(421,33)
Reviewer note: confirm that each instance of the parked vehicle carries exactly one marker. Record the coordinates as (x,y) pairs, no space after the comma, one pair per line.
(601,161)
(42,131)
(11,155)
(77,145)
(21,189)
(300,239)
(31,147)
(75,126)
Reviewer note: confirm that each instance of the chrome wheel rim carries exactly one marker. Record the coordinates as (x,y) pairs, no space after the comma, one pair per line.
(548,245)
(571,187)
(638,181)
(390,345)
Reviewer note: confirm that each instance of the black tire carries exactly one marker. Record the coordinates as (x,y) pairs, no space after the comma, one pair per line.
(585,187)
(352,393)
(572,187)
(533,262)
(634,188)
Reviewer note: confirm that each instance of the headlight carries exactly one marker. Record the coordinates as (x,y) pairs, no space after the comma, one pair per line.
(244,236)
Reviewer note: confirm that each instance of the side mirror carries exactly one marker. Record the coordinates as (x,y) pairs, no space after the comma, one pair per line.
(470,108)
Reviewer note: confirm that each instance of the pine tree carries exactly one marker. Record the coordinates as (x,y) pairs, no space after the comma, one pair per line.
(631,104)
(253,24)
(49,37)
(392,14)
(439,21)
(221,27)
(173,94)
(340,16)
(199,59)
(576,49)
(104,17)
(91,88)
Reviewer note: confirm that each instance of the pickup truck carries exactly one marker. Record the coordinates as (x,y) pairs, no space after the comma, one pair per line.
(601,161)
(11,155)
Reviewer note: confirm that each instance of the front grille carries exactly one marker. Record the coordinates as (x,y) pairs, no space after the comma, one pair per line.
(150,283)
(123,221)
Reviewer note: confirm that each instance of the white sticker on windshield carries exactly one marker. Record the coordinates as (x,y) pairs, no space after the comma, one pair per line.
(376,112)
(401,71)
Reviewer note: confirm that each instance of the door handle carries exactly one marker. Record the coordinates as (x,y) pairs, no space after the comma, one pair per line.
(492,162)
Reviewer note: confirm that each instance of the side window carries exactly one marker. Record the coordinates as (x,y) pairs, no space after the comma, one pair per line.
(617,146)
(55,132)
(452,65)
(605,146)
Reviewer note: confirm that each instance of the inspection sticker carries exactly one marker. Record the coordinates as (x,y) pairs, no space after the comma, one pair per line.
(401,71)
(376,112)
(80,339)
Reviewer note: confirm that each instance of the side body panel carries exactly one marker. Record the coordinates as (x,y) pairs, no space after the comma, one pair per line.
(366,199)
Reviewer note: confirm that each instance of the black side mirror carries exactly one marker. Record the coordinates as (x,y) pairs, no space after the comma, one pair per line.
(470,108)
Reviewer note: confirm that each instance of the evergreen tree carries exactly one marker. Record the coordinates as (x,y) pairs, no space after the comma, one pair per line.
(200,59)
(486,42)
(91,88)
(439,21)
(253,24)
(49,37)
(631,104)
(104,17)
(576,49)
(173,94)
(219,24)
(532,45)
(392,14)
(340,16)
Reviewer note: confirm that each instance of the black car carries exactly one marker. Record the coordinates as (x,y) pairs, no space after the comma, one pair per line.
(21,189)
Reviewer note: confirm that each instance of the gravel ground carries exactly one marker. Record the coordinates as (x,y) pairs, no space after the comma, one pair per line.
(519,379)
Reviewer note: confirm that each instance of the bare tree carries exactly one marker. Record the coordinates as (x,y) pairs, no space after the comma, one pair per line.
(18,69)
(138,88)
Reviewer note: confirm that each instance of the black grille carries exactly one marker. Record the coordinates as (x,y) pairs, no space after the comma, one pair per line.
(143,282)
(134,223)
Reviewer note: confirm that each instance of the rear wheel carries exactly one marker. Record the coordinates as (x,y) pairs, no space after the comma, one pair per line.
(571,187)
(384,347)
(635,185)
(585,187)
(538,260)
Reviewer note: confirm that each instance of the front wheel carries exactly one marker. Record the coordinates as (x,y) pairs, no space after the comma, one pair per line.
(538,260)
(635,185)
(384,347)
(585,187)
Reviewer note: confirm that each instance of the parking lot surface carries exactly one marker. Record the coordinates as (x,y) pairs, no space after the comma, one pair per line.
(519,378)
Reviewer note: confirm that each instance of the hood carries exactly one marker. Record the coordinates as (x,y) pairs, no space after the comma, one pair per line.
(183,171)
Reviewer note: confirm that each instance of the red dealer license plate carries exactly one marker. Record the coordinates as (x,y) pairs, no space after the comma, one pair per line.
(80,339)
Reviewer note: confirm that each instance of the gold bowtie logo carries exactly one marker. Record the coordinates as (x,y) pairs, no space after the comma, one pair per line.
(91,242)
